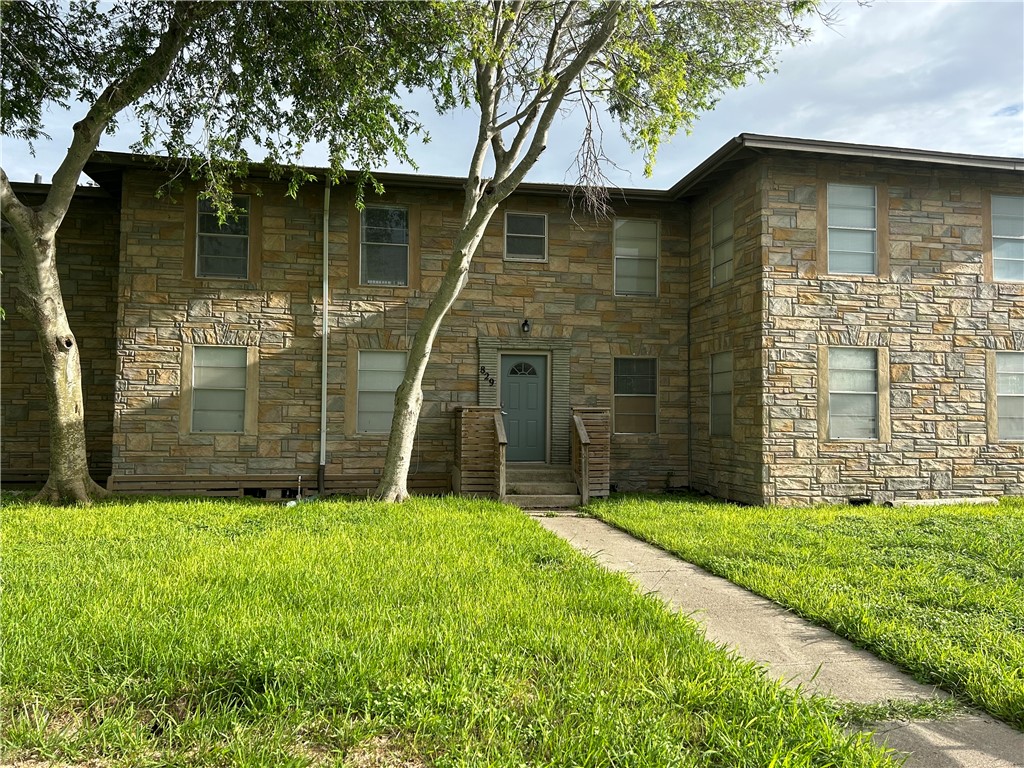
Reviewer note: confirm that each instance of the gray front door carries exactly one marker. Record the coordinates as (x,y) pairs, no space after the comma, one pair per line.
(524,402)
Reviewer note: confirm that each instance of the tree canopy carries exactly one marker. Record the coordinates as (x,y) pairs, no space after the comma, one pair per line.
(247,82)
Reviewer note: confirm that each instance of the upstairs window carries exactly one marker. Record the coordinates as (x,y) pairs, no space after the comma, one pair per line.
(1010,395)
(636,395)
(721,242)
(1008,237)
(852,394)
(384,240)
(526,236)
(218,389)
(222,250)
(636,257)
(852,230)
(721,394)
(380,374)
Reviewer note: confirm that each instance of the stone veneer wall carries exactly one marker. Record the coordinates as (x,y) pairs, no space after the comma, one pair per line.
(935,313)
(729,317)
(87,249)
(569,300)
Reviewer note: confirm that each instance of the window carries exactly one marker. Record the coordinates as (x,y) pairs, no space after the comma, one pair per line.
(636,257)
(526,236)
(636,395)
(384,239)
(380,373)
(721,394)
(1010,395)
(721,242)
(222,250)
(852,394)
(218,389)
(851,230)
(1008,237)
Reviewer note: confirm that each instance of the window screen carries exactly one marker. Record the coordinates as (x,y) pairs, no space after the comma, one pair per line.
(222,250)
(636,394)
(385,246)
(218,389)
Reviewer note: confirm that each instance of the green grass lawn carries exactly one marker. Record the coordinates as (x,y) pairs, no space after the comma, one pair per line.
(939,591)
(434,633)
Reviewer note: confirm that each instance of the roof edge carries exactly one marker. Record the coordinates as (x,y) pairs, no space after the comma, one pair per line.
(755,142)
(111,160)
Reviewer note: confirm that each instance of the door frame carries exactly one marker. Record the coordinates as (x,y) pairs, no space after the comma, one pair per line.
(527,352)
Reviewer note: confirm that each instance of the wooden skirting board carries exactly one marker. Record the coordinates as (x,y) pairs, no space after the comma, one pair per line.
(272,486)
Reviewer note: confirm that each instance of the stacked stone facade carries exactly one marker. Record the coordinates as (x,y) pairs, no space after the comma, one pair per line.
(728,317)
(87,257)
(932,310)
(575,318)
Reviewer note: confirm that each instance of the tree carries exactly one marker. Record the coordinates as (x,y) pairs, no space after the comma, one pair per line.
(654,66)
(206,81)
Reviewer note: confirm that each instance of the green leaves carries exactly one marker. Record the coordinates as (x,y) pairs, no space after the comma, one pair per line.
(254,82)
(671,61)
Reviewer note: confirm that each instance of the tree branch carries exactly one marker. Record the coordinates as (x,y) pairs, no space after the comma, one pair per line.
(506,184)
(14,211)
(117,95)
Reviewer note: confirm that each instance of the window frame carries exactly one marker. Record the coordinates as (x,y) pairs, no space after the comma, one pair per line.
(359,390)
(994,395)
(991,237)
(616,257)
(713,393)
(544,237)
(191,201)
(362,242)
(716,244)
(652,396)
(883,432)
(881,228)
(250,416)
(200,232)
(830,227)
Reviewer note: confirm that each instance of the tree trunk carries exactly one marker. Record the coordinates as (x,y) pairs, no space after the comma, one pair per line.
(43,304)
(393,484)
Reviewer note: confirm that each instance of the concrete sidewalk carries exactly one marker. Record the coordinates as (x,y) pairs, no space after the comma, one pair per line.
(797,652)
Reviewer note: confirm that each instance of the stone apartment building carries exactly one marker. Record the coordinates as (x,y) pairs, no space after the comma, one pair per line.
(793,322)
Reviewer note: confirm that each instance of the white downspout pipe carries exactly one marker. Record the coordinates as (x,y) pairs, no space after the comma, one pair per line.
(325,288)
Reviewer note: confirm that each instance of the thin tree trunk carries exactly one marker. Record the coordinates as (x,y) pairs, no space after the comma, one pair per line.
(34,230)
(482,199)
(69,479)
(393,484)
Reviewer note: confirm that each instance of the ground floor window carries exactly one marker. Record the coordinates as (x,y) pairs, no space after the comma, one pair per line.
(721,394)
(380,373)
(852,393)
(636,395)
(1010,395)
(218,389)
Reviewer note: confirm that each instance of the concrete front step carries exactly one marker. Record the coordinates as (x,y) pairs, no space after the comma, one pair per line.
(544,488)
(544,501)
(537,473)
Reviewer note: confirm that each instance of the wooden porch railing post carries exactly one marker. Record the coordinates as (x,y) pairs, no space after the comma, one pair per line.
(501,442)
(581,458)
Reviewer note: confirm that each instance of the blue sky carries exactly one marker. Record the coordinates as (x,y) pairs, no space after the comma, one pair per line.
(931,75)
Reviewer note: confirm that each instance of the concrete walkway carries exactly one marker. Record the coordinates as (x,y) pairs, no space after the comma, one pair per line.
(797,652)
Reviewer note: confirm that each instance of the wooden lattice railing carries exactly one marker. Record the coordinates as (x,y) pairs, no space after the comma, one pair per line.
(591,451)
(480,446)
